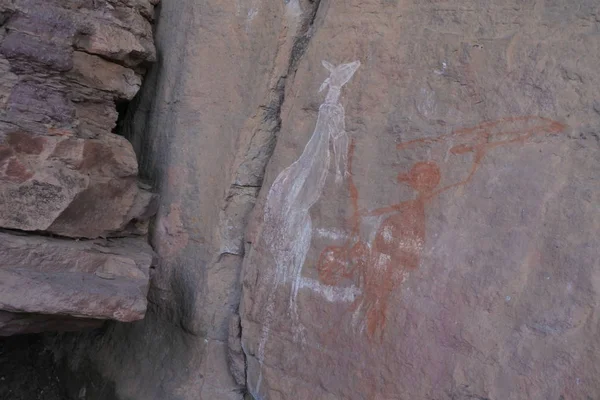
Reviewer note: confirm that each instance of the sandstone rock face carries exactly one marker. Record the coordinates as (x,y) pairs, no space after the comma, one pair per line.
(70,186)
(64,65)
(205,125)
(456,256)
(46,279)
(426,226)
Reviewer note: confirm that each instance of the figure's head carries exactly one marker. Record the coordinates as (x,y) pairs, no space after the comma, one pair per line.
(423,176)
(340,75)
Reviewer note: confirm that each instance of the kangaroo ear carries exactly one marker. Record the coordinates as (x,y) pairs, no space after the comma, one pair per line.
(324,85)
(328,66)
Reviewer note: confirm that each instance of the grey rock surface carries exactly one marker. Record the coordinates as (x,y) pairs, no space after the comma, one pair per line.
(457,258)
(59,284)
(27,323)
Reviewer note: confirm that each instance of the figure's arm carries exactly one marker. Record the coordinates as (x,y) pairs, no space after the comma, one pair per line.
(477,157)
(384,210)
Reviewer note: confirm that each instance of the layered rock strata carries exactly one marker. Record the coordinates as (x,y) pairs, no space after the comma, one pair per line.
(68,69)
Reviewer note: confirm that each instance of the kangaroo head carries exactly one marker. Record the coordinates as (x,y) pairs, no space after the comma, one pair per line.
(340,75)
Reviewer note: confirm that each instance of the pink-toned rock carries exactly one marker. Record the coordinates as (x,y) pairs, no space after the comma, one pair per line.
(59,284)
(62,168)
(100,74)
(68,70)
(457,258)
(70,186)
(115,43)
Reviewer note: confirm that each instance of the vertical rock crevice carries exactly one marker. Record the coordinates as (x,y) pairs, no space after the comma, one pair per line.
(176,126)
(258,140)
(255,148)
(122,107)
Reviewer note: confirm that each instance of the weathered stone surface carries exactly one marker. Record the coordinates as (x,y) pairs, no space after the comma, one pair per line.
(63,278)
(205,125)
(69,186)
(63,67)
(96,73)
(458,257)
(68,69)
(115,43)
(454,258)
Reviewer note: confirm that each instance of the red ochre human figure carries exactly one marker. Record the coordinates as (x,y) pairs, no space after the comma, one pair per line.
(381,266)
(396,248)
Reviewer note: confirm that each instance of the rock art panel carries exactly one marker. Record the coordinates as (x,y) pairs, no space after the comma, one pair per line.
(380,266)
(458,257)
(288,228)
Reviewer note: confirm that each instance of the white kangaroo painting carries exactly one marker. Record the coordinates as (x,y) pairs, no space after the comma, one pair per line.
(287,227)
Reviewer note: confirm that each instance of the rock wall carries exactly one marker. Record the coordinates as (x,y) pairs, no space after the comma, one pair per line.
(422,228)
(204,125)
(66,69)
(456,255)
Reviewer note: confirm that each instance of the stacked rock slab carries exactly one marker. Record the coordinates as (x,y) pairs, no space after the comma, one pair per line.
(65,68)
(92,280)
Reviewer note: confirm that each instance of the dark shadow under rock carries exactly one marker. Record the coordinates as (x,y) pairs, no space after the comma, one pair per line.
(27,370)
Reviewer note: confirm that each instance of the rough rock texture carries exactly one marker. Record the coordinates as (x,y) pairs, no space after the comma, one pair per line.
(458,256)
(71,186)
(64,68)
(454,255)
(205,126)
(58,278)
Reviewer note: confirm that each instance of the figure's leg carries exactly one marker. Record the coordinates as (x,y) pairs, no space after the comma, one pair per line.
(299,251)
(356,309)
(283,260)
(376,291)
(382,285)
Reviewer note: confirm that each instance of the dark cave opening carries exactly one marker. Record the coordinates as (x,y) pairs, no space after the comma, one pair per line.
(39,366)
(122,106)
(28,370)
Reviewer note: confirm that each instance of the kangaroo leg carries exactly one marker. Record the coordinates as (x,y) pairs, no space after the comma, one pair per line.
(299,251)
